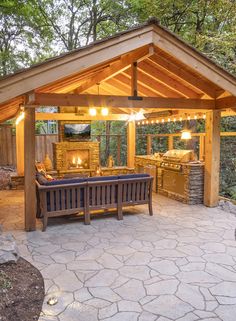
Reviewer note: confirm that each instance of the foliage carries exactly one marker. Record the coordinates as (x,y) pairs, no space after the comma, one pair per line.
(5,282)
(209,26)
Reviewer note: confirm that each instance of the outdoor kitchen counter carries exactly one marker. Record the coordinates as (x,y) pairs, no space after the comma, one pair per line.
(184,183)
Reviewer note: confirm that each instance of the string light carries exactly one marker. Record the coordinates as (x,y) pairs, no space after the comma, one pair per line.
(188,117)
(138,123)
(180,118)
(163,120)
(152,121)
(195,116)
(157,121)
(174,120)
(204,116)
(168,119)
(142,122)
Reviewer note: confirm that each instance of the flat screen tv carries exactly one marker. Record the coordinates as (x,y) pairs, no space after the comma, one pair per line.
(77,131)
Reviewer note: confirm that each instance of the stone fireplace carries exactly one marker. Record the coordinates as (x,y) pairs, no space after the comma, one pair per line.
(76,156)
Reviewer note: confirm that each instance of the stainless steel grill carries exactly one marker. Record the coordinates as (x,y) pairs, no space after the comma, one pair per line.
(174,158)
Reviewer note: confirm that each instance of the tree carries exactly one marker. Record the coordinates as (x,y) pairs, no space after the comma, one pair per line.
(209,26)
(21,42)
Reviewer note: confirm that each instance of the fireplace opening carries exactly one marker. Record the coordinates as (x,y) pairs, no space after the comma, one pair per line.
(77,159)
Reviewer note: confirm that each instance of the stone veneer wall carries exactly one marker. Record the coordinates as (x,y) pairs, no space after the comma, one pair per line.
(193,185)
(60,148)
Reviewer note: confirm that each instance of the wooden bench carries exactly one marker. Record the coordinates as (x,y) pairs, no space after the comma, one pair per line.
(85,195)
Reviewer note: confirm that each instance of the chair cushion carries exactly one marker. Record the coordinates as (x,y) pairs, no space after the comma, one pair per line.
(40,177)
(133,176)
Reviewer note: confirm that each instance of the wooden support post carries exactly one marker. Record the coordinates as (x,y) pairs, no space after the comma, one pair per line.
(131,143)
(149,144)
(212,158)
(134,79)
(202,147)
(20,148)
(170,142)
(29,151)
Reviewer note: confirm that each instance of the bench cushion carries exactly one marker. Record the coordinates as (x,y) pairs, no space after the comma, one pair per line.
(65,181)
(101,178)
(133,176)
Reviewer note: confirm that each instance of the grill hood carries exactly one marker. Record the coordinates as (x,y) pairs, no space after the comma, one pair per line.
(179,155)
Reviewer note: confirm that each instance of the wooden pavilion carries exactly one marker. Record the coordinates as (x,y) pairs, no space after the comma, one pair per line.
(145,68)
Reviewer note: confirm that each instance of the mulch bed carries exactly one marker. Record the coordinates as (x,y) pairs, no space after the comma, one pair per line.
(21,291)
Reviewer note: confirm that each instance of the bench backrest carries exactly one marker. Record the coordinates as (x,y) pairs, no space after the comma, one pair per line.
(94,194)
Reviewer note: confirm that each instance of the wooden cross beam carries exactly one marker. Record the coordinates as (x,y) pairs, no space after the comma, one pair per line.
(46,99)
(226,102)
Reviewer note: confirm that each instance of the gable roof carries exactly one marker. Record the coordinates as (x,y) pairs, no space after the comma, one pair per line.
(79,63)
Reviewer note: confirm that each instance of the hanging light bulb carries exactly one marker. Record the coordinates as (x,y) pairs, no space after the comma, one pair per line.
(188,117)
(204,116)
(186,134)
(180,118)
(92,112)
(195,116)
(174,120)
(157,121)
(138,123)
(163,120)
(147,121)
(168,119)
(143,123)
(152,122)
(105,111)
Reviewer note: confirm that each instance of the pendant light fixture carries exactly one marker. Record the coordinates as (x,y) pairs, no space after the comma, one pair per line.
(186,133)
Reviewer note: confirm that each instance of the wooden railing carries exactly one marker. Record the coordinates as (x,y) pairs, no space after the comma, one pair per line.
(117,149)
(171,143)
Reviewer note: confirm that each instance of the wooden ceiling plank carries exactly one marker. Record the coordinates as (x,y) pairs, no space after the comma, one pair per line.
(181,73)
(153,84)
(149,68)
(116,83)
(125,79)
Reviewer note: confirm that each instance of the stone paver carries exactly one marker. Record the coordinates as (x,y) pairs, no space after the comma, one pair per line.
(179,265)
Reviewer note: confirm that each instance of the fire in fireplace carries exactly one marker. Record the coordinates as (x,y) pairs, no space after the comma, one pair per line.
(77,159)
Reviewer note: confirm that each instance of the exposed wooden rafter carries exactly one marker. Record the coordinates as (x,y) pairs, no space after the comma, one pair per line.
(153,84)
(185,75)
(116,68)
(149,68)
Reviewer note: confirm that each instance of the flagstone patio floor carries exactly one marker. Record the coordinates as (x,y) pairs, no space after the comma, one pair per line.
(179,264)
